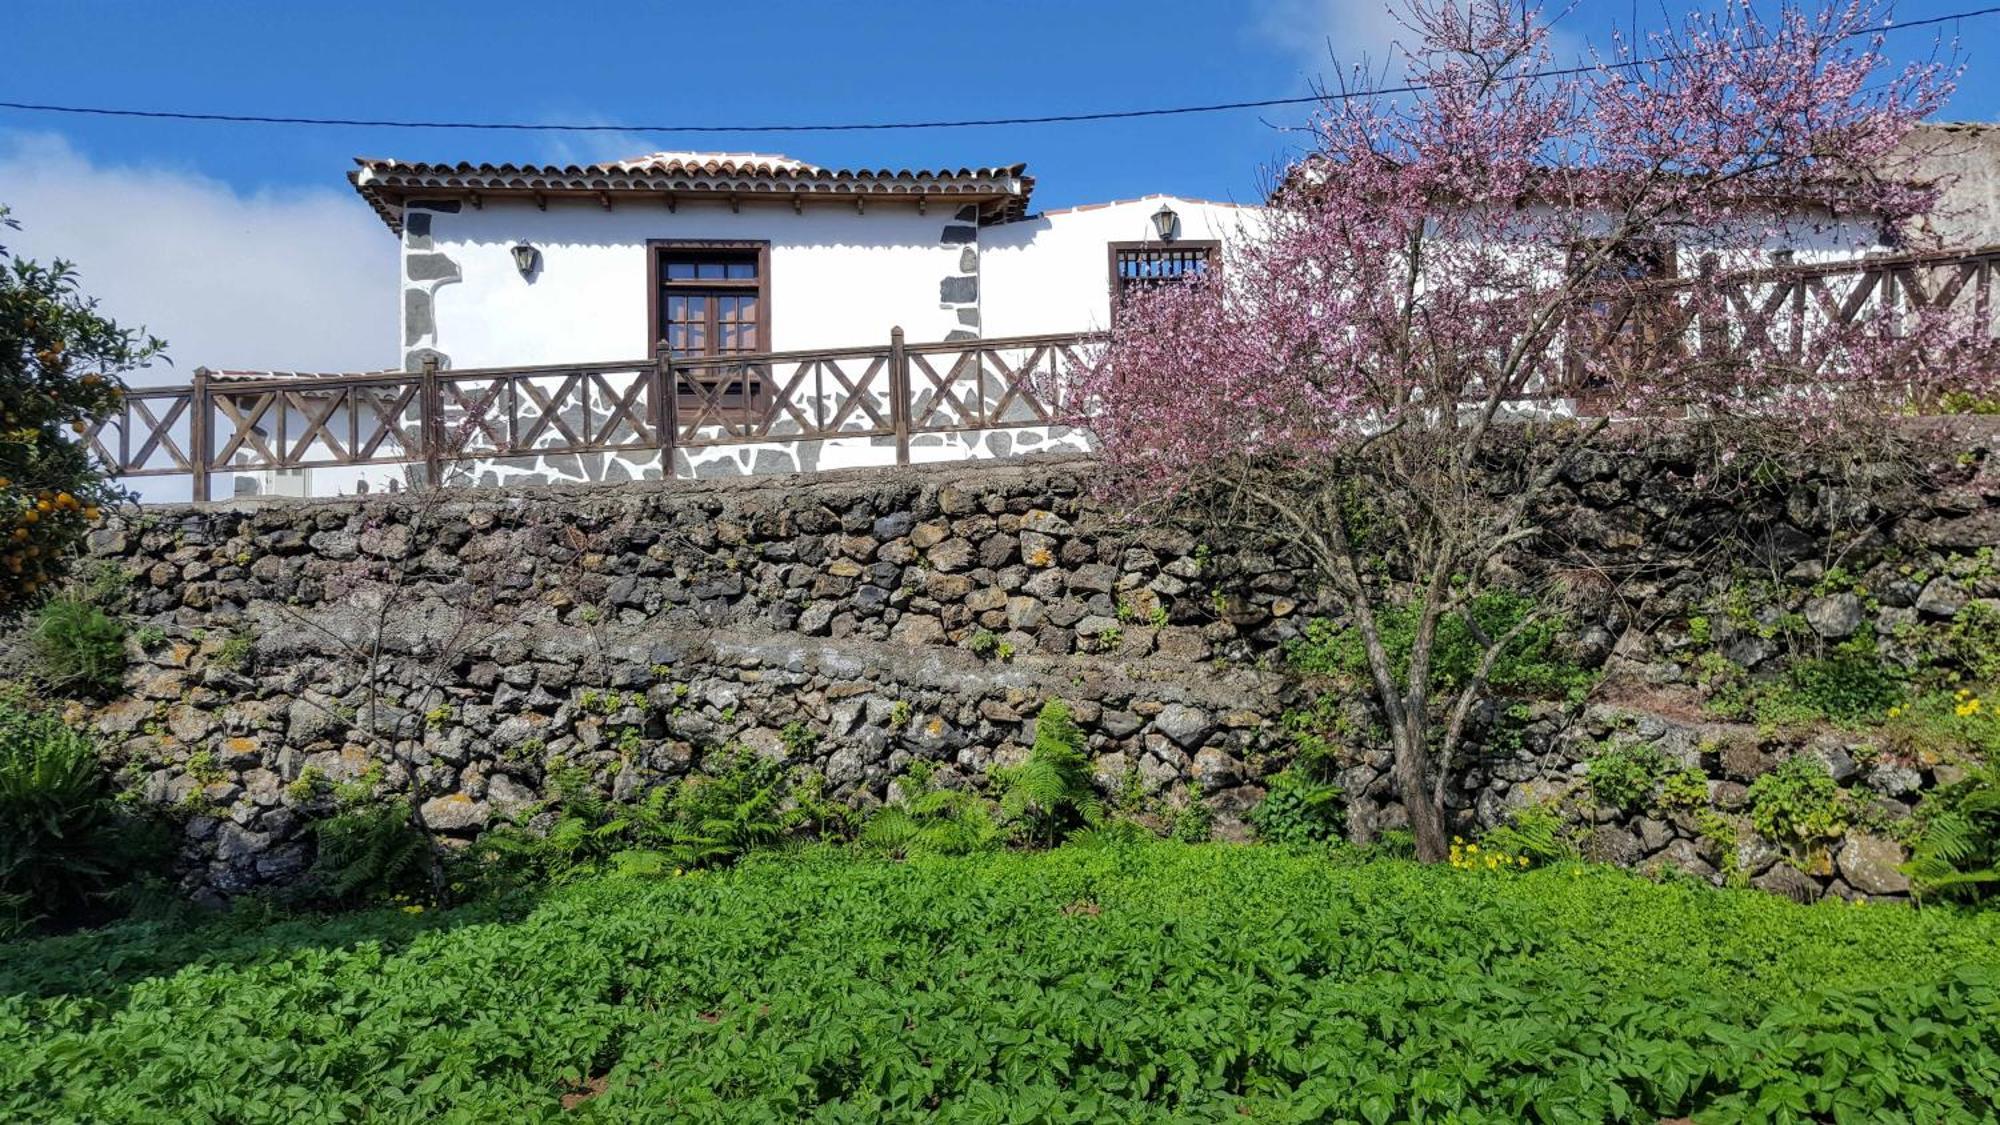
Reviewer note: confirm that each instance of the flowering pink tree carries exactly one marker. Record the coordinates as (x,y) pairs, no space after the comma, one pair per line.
(1474,271)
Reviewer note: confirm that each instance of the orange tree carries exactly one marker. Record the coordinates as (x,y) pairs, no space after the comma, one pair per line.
(59,366)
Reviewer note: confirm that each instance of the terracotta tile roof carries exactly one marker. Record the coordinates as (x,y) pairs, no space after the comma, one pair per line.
(1001,192)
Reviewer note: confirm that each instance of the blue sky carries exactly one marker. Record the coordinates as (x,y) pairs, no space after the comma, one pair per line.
(174,222)
(771,62)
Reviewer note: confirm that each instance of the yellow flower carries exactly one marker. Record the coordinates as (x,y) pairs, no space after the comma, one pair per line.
(1523,859)
(1472,848)
(414,908)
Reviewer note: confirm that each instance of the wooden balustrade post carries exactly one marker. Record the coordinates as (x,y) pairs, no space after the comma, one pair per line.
(431,427)
(198,436)
(666,406)
(899,393)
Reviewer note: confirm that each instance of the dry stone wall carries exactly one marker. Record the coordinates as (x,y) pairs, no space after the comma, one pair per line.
(482,644)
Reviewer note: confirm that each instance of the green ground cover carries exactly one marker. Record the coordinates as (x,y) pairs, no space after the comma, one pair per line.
(1151,982)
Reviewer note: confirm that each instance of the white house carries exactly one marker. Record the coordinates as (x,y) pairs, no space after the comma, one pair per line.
(713,256)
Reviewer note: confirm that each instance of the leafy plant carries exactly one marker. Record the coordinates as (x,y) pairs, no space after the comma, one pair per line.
(1192,821)
(1955,851)
(1798,805)
(1300,809)
(1144,982)
(719,819)
(64,842)
(987,643)
(799,739)
(78,646)
(1051,793)
(1851,683)
(235,652)
(1626,776)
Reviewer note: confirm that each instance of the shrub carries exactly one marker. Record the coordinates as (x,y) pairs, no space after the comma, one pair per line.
(1798,805)
(78,647)
(59,363)
(1299,809)
(64,842)
(1955,851)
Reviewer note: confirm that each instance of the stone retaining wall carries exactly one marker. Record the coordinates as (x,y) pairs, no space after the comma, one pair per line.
(858,621)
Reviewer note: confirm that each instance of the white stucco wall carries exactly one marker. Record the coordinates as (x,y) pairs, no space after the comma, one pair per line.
(1052,272)
(838,278)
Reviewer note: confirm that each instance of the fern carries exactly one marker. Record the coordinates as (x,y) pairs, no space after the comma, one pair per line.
(931,820)
(1051,794)
(1534,831)
(1117,832)
(1956,849)
(371,854)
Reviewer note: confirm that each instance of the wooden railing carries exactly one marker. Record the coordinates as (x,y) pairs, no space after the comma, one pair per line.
(438,417)
(896,390)
(1792,316)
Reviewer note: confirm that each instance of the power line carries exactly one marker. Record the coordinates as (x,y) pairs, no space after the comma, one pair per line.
(861,127)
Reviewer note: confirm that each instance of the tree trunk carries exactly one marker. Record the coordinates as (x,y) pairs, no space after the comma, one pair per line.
(1426,817)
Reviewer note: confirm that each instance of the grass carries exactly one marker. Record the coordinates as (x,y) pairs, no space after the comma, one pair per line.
(1154,982)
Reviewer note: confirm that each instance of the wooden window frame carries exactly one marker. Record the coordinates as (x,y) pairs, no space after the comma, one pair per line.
(1209,246)
(659,248)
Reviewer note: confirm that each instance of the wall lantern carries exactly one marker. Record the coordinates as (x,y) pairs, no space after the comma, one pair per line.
(1167,223)
(526,258)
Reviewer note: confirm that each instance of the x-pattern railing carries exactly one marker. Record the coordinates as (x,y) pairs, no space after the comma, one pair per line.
(1795,316)
(434,416)
(896,390)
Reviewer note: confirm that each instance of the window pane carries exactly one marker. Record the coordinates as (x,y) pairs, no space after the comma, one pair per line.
(679,269)
(744,271)
(710,270)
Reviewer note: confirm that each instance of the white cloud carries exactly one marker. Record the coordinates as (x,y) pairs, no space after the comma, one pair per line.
(1332,37)
(291,280)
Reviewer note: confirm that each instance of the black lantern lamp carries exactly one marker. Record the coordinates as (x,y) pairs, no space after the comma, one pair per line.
(526,258)
(1167,223)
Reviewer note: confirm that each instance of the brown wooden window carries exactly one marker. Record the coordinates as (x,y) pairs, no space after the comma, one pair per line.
(1138,266)
(713,299)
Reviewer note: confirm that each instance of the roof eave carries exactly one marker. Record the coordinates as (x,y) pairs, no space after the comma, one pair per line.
(1001,193)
